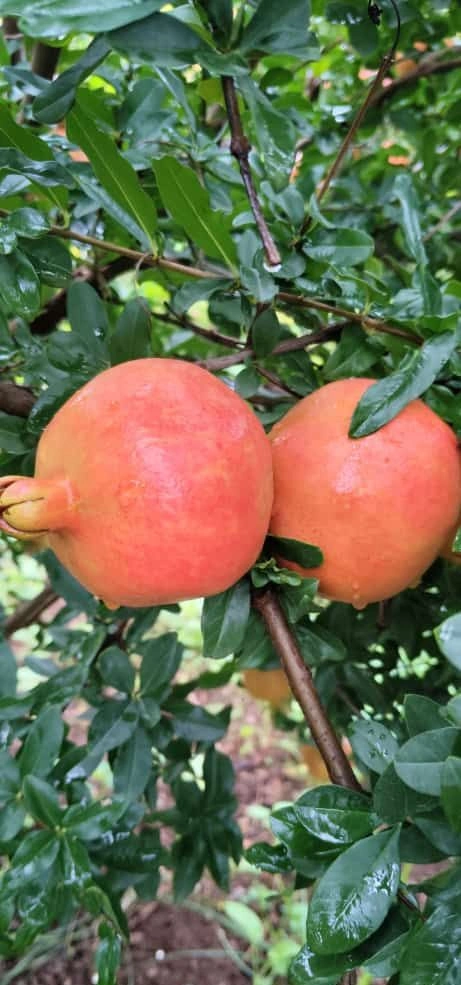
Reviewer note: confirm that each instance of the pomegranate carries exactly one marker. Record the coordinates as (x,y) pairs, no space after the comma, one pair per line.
(153,484)
(379,507)
(268,685)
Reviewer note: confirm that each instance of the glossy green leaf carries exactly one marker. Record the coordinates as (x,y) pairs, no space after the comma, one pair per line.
(419,762)
(383,400)
(42,801)
(276,29)
(114,172)
(224,620)
(433,955)
(422,713)
(220,16)
(55,17)
(132,766)
(405,193)
(344,248)
(51,260)
(353,356)
(7,660)
(160,661)
(91,821)
(390,798)
(307,854)
(448,636)
(42,744)
(87,316)
(438,831)
(306,555)
(58,98)
(335,816)
(265,333)
(451,791)
(131,337)
(309,968)
(112,725)
(108,955)
(269,858)
(354,896)
(19,286)
(188,203)
(196,724)
(160,39)
(116,670)
(10,777)
(373,744)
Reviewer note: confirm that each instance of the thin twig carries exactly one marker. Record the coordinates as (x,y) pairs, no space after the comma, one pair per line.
(430,65)
(375,324)
(240,148)
(30,611)
(302,684)
(442,221)
(181,321)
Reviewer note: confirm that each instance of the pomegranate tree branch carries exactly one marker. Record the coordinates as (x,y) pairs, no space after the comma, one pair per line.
(240,148)
(288,345)
(432,64)
(30,611)
(335,167)
(302,684)
(17,400)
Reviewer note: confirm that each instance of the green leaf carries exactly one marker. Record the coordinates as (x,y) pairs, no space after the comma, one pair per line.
(373,744)
(220,16)
(108,955)
(12,817)
(433,955)
(224,620)
(133,765)
(344,248)
(131,337)
(28,222)
(385,399)
(41,801)
(160,39)
(42,745)
(390,796)
(31,146)
(451,791)
(436,829)
(112,725)
(114,172)
(269,858)
(335,816)
(278,29)
(422,713)
(354,896)
(88,319)
(195,724)
(404,192)
(187,201)
(55,17)
(308,968)
(304,850)
(448,636)
(419,762)
(58,98)
(354,355)
(161,658)
(306,555)
(19,286)
(51,260)
(91,821)
(10,777)
(247,922)
(7,660)
(116,670)
(265,333)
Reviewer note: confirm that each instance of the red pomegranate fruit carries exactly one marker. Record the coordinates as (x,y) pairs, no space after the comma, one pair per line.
(153,484)
(379,507)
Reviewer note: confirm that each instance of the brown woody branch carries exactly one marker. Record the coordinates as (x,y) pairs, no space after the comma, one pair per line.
(302,684)
(29,612)
(17,400)
(11,32)
(240,148)
(431,64)
(44,60)
(288,345)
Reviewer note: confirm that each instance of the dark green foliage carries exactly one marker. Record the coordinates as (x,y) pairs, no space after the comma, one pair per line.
(146,245)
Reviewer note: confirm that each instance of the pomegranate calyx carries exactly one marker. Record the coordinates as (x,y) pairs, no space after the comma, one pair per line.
(30,508)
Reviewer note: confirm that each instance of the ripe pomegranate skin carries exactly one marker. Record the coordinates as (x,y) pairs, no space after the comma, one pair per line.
(153,484)
(268,685)
(379,507)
